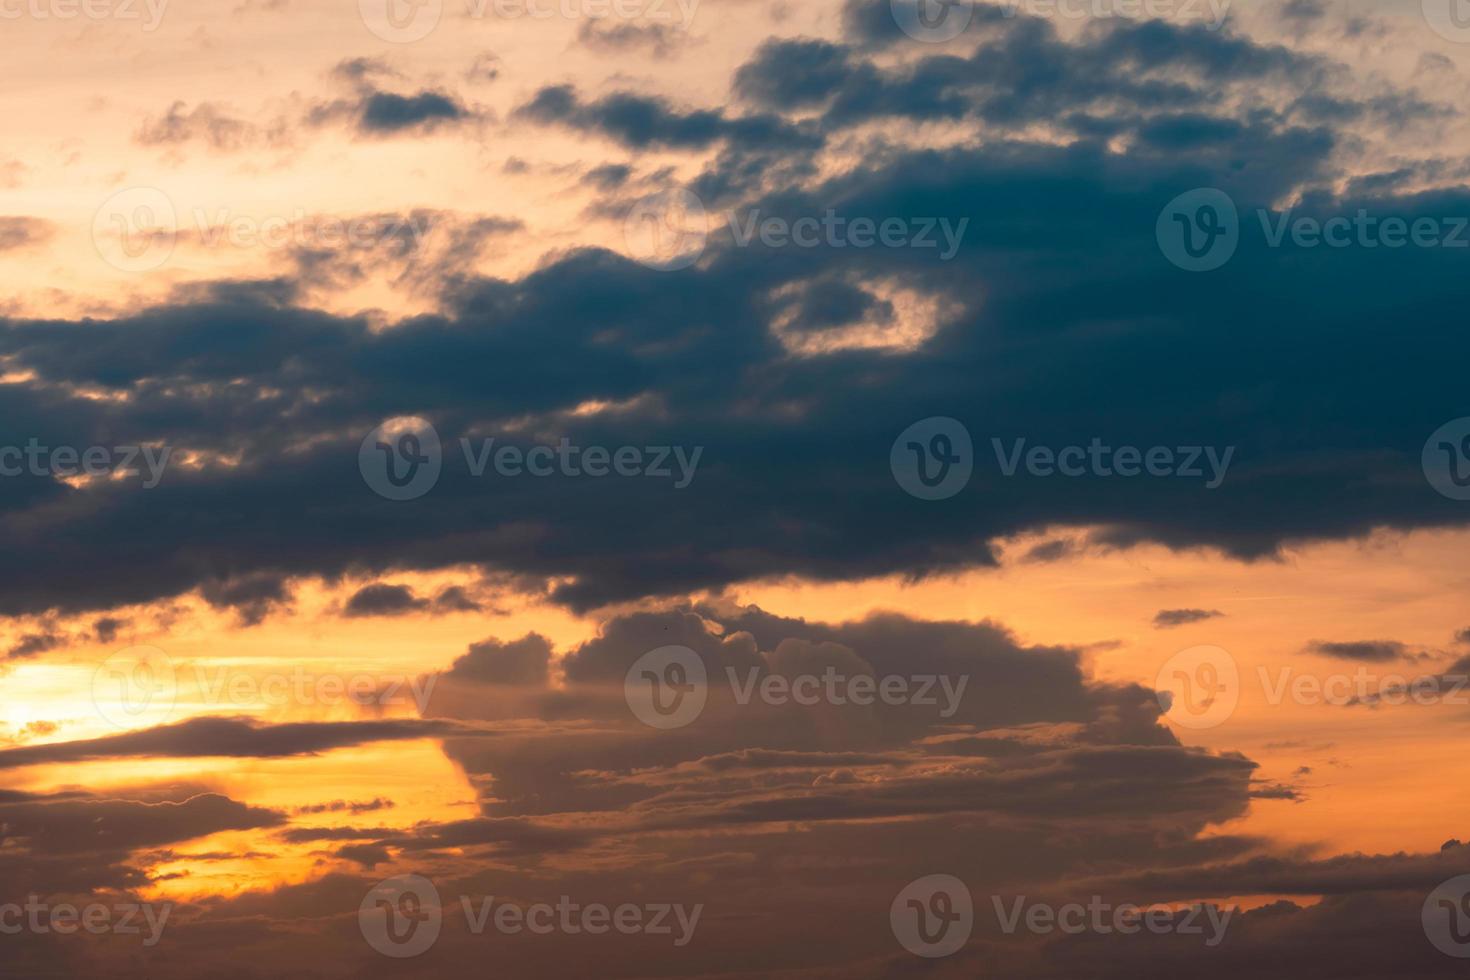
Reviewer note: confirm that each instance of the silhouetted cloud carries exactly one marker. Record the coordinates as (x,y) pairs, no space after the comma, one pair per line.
(1165,618)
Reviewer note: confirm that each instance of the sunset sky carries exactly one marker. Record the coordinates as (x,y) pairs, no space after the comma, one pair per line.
(410,408)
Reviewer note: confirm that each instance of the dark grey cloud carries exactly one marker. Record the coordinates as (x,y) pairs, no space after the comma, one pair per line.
(19,232)
(383,599)
(215,125)
(387,599)
(1370,651)
(388,112)
(252,595)
(242,737)
(68,826)
(652,122)
(106,628)
(347,806)
(657,40)
(523,661)
(31,644)
(1165,618)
